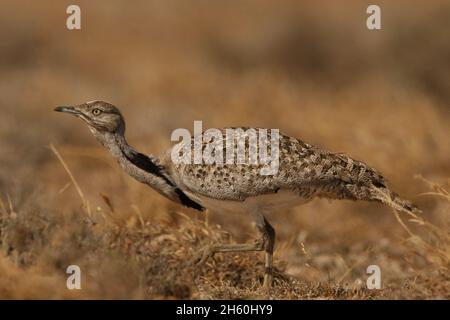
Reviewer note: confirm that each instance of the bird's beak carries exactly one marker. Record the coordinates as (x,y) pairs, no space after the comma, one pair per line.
(67,110)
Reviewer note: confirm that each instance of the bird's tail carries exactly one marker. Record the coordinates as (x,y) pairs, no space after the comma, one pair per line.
(392,199)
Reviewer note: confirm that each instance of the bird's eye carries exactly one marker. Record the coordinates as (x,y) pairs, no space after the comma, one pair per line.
(96,112)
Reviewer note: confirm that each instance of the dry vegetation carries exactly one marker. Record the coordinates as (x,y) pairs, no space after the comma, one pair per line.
(312,70)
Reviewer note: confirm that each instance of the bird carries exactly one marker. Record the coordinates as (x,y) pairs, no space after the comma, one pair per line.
(304,172)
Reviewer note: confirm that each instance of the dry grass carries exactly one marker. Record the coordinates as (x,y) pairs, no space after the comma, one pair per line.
(310,69)
(158,255)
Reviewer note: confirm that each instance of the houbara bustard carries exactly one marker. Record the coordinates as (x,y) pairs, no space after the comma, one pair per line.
(304,172)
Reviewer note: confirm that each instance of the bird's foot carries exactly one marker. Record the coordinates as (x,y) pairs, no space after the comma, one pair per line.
(204,254)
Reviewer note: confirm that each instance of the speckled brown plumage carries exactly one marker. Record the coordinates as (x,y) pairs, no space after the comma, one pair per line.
(305,170)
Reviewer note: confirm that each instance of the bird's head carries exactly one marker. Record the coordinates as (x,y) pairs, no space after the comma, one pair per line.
(101,117)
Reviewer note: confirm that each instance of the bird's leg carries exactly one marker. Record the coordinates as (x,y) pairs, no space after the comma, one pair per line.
(210,250)
(265,242)
(269,237)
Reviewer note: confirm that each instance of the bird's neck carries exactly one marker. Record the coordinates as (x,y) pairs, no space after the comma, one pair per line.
(144,168)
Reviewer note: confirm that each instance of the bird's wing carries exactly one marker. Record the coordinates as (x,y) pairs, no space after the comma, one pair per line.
(302,168)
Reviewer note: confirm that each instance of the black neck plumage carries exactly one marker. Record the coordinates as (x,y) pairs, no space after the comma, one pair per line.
(146,164)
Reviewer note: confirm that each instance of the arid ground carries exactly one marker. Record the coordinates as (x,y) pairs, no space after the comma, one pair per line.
(311,69)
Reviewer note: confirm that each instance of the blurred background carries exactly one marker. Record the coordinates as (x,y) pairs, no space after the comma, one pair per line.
(310,68)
